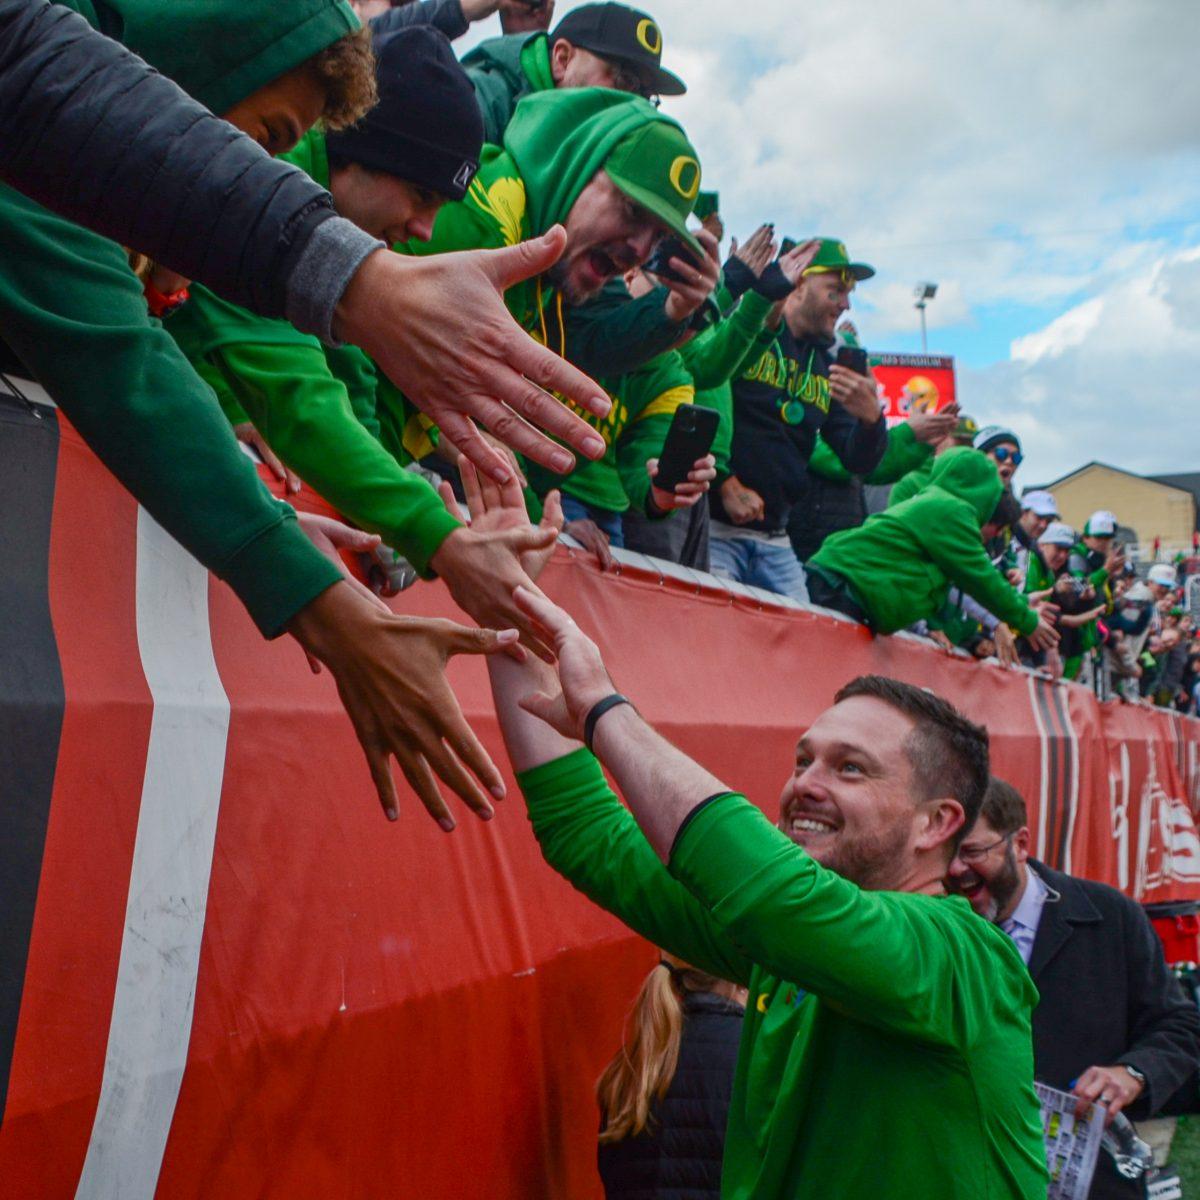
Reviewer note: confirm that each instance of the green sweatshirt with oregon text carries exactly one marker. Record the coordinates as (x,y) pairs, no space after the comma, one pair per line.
(887,1047)
(75,314)
(326,411)
(901,562)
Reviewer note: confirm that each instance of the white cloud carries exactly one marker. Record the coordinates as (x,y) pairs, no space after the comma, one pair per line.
(1116,379)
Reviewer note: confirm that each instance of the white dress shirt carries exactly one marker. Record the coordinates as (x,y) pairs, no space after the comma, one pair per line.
(1022,926)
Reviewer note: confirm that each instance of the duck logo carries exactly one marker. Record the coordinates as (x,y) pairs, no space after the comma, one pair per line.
(685,176)
(650,36)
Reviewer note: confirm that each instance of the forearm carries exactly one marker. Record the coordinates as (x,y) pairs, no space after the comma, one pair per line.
(903,454)
(614,335)
(444,15)
(660,784)
(219,210)
(714,357)
(858,444)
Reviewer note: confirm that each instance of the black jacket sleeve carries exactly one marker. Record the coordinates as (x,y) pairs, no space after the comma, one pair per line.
(613,335)
(860,447)
(94,134)
(1164,1024)
(446,15)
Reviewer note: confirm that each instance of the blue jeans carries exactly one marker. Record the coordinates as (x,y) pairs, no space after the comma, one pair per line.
(759,564)
(610,522)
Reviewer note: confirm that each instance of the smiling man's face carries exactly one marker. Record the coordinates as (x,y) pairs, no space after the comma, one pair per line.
(850,802)
(607,234)
(989,870)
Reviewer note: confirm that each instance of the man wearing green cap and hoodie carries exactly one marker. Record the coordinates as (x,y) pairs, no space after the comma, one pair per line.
(897,568)
(907,486)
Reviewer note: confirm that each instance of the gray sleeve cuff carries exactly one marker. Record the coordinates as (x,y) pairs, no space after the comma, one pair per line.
(325,267)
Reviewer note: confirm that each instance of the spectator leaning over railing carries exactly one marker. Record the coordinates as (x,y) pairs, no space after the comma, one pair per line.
(897,568)
(221,211)
(595,45)
(1003,447)
(905,488)
(781,401)
(1095,561)
(1038,509)
(324,410)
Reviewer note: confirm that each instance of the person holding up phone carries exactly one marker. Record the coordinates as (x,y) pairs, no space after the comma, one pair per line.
(791,392)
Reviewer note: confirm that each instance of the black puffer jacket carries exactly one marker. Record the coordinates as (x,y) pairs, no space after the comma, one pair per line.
(827,507)
(679,1156)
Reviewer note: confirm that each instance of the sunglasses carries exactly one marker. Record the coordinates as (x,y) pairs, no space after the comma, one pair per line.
(1004,454)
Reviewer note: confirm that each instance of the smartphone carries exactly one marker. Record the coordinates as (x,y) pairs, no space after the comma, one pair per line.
(853,357)
(693,430)
(659,263)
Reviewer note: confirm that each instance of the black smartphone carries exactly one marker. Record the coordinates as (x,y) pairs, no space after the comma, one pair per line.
(693,430)
(659,263)
(853,357)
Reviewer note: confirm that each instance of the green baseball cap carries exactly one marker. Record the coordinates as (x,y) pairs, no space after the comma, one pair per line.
(966,429)
(657,167)
(831,256)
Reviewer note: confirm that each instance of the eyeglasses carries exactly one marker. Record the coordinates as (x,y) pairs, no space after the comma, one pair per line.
(1004,454)
(979,853)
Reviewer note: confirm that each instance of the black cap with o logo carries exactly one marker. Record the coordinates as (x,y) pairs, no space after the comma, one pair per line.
(630,36)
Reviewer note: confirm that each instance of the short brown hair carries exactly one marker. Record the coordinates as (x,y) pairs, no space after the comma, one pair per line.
(346,69)
(948,753)
(1003,807)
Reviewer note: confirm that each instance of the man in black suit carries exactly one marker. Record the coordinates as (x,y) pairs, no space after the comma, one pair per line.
(1112,1024)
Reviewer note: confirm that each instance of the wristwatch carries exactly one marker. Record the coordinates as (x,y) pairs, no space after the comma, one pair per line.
(1134,1072)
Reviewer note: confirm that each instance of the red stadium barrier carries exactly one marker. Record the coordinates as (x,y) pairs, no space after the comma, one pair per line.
(236,979)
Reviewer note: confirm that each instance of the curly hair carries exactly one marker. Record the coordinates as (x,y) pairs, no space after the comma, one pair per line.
(346,68)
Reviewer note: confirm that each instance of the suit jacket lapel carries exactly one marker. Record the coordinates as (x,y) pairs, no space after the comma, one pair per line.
(1066,906)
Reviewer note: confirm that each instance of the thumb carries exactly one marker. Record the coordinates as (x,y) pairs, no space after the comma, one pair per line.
(538,704)
(356,539)
(534,537)
(461,639)
(513,263)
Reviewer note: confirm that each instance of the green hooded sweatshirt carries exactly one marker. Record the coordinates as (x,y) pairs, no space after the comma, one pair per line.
(901,562)
(74,312)
(503,70)
(320,408)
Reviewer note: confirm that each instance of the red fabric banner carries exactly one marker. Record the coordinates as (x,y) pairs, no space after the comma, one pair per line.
(386,1010)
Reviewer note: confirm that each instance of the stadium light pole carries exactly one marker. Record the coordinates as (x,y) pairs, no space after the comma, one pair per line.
(924,292)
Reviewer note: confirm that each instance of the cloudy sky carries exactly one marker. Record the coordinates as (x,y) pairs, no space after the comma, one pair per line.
(1038,159)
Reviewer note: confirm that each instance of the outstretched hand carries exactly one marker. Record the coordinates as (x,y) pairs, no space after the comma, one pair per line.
(582,676)
(407,314)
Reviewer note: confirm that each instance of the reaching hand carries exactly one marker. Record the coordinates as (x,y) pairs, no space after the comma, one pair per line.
(246,432)
(742,504)
(591,537)
(857,394)
(798,259)
(582,676)
(931,428)
(407,314)
(697,280)
(1044,636)
(758,251)
(390,674)
(687,493)
(1006,646)
(516,16)
(1114,564)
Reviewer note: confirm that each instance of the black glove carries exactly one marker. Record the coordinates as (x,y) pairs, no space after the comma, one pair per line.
(739,279)
(773,284)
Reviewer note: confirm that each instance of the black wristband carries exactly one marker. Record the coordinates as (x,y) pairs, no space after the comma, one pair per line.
(739,279)
(773,284)
(597,711)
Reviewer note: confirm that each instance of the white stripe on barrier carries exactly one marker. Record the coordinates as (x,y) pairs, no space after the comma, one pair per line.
(168,886)
(1044,748)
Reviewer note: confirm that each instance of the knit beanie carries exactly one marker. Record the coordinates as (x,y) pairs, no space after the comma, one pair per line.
(426,128)
(993,435)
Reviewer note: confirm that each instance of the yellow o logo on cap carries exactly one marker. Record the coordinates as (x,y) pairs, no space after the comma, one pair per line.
(650,36)
(687,186)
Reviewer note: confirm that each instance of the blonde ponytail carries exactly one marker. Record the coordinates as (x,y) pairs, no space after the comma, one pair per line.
(642,1070)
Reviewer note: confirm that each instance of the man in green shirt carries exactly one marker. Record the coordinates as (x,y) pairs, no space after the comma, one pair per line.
(887,1047)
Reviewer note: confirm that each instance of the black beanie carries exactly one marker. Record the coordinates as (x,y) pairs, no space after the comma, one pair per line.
(426,128)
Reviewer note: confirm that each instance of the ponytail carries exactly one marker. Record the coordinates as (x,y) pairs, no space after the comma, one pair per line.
(642,1070)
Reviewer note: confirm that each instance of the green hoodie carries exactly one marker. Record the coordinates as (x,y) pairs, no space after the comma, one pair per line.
(320,409)
(74,312)
(909,485)
(503,70)
(901,562)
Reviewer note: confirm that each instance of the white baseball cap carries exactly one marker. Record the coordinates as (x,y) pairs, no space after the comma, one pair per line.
(1101,523)
(1162,573)
(1057,534)
(1040,503)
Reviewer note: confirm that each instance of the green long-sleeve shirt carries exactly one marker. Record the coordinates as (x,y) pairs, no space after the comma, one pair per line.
(886,1049)
(904,454)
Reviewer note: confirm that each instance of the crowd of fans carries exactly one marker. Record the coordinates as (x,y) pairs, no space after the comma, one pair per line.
(554,129)
(519,138)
